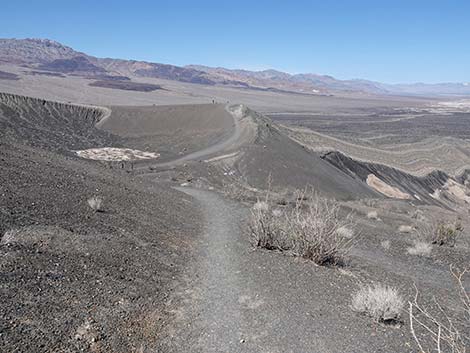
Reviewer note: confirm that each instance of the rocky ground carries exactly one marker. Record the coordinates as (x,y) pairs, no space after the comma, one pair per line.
(174,270)
(72,279)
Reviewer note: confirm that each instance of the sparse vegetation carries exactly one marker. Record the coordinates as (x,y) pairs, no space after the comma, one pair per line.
(447,233)
(345,232)
(380,302)
(441,232)
(312,228)
(438,330)
(96,203)
(8,237)
(373,215)
(266,227)
(385,244)
(405,229)
(420,248)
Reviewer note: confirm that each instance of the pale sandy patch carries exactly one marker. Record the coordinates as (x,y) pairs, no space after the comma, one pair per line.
(457,190)
(116,154)
(463,104)
(386,189)
(219,158)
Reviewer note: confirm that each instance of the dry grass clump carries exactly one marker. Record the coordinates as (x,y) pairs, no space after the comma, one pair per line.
(312,228)
(438,330)
(345,232)
(385,244)
(8,237)
(447,233)
(380,302)
(441,232)
(373,215)
(405,229)
(265,227)
(96,203)
(420,248)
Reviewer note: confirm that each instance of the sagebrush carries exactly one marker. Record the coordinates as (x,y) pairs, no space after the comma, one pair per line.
(380,302)
(311,228)
(420,248)
(447,233)
(441,232)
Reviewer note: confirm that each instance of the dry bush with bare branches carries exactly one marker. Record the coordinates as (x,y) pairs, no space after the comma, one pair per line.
(438,330)
(312,228)
(440,232)
(447,233)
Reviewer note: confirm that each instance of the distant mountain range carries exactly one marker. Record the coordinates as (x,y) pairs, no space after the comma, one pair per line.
(51,56)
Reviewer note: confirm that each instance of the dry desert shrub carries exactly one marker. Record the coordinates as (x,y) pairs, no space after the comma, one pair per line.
(345,232)
(441,232)
(373,215)
(447,233)
(96,203)
(380,302)
(312,228)
(420,248)
(9,237)
(441,330)
(385,244)
(418,215)
(265,225)
(405,229)
(369,202)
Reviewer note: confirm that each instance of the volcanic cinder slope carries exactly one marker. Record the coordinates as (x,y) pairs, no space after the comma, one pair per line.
(172,131)
(173,272)
(73,279)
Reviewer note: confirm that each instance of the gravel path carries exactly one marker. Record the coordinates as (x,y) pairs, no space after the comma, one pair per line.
(238,299)
(243,132)
(235,300)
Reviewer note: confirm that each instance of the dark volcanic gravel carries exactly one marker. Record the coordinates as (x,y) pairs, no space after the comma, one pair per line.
(72,279)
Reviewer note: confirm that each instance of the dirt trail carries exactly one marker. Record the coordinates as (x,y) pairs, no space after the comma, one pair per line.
(243,132)
(236,299)
(233,303)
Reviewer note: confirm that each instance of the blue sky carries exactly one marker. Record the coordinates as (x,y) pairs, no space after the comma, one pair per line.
(384,40)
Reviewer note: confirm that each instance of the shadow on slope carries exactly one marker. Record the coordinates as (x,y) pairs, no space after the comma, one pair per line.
(434,188)
(275,155)
(172,131)
(51,125)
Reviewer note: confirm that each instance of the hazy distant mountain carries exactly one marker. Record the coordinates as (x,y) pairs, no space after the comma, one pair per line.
(34,51)
(437,89)
(266,79)
(48,55)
